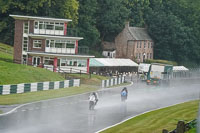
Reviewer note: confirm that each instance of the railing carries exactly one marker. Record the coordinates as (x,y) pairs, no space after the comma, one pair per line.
(66,71)
(6,50)
(71,32)
(82,50)
(72,71)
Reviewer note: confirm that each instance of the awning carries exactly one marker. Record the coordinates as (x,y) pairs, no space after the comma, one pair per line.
(111,62)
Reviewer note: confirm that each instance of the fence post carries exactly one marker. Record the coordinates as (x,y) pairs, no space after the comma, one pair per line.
(165,131)
(181,127)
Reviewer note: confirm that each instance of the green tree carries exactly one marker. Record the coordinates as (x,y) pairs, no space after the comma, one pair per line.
(111,18)
(87,23)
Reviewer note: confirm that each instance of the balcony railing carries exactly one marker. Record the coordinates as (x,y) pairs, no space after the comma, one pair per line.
(71,32)
(82,50)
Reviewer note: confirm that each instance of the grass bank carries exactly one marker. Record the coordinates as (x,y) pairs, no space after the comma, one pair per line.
(11,73)
(156,121)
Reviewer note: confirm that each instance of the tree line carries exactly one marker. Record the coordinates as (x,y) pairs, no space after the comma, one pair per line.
(174,25)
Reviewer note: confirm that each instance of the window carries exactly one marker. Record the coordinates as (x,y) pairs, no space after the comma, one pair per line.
(47,43)
(144,44)
(63,62)
(52,45)
(82,63)
(24,59)
(75,63)
(139,55)
(70,45)
(69,63)
(151,45)
(41,25)
(25,44)
(140,44)
(59,26)
(36,25)
(49,27)
(151,56)
(147,55)
(148,44)
(26,27)
(137,44)
(37,43)
(58,45)
(48,61)
(136,55)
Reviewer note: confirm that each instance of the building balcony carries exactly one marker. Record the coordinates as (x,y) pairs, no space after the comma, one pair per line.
(70,32)
(82,50)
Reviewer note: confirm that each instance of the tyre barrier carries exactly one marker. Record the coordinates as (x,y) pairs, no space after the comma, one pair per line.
(112,81)
(39,86)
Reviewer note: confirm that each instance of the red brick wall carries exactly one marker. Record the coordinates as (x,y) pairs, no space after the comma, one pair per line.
(18,38)
(29,62)
(142,50)
(30,48)
(31,26)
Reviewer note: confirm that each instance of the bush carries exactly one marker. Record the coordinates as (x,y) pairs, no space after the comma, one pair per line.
(161,61)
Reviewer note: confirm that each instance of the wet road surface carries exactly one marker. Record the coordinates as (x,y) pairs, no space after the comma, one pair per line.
(71,115)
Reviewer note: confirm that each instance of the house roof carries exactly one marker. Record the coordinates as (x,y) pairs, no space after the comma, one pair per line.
(110,62)
(108,46)
(39,18)
(139,33)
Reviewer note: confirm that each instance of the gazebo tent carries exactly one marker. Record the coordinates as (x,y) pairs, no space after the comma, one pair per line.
(180,71)
(112,65)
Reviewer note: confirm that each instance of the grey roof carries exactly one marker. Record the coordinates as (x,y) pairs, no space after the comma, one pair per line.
(139,33)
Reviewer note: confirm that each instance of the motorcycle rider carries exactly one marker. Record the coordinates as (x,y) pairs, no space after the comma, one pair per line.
(93,98)
(124,94)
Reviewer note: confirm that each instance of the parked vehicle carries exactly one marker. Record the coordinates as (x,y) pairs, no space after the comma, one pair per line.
(159,74)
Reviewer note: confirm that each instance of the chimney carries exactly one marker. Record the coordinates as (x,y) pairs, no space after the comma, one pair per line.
(127,24)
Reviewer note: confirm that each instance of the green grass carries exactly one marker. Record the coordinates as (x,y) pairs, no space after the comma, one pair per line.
(194,130)
(6,48)
(43,95)
(156,121)
(11,73)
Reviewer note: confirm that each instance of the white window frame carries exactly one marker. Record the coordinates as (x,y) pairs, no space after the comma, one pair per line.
(38,42)
(25,44)
(26,27)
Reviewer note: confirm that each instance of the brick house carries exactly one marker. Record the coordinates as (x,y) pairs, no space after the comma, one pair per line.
(47,42)
(134,43)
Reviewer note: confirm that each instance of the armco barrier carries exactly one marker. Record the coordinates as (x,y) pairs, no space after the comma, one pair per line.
(32,87)
(112,81)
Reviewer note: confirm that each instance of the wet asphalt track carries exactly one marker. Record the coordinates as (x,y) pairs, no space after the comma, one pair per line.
(71,115)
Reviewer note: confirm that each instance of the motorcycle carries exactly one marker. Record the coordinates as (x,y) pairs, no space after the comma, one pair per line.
(91,105)
(124,94)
